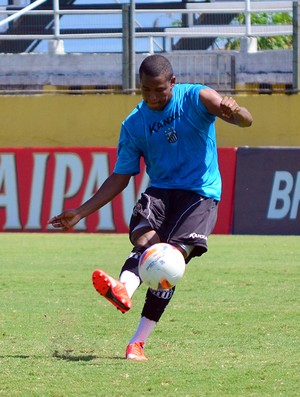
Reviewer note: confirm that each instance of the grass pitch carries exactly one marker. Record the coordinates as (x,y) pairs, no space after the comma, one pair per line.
(232,328)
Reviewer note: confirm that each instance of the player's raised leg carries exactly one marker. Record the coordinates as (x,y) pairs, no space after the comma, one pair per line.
(113,290)
(119,292)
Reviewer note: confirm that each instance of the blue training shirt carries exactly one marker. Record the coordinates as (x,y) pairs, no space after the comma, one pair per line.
(178,144)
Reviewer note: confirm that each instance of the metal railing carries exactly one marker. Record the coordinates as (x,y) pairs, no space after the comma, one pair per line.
(247,7)
(132,30)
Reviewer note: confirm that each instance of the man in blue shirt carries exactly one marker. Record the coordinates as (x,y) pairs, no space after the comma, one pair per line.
(173,130)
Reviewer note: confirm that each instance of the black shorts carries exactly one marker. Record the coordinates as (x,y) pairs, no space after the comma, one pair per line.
(178,216)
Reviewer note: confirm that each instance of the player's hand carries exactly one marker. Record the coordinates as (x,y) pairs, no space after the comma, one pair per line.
(65,220)
(229,107)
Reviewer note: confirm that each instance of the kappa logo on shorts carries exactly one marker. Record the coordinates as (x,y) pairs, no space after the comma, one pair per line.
(196,235)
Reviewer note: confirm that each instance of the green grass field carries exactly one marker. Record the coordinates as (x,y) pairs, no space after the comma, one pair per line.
(232,328)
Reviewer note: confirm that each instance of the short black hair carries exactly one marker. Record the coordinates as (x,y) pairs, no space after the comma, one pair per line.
(156,65)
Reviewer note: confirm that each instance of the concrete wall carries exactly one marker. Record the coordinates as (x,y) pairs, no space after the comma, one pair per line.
(94,120)
(38,70)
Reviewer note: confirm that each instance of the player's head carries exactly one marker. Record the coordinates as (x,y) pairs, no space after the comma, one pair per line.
(157,80)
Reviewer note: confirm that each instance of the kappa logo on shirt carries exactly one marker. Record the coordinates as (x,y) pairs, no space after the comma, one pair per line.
(158,125)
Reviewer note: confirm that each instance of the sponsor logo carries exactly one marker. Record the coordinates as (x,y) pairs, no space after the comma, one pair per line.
(158,125)
(36,185)
(162,294)
(285,196)
(197,235)
(267,191)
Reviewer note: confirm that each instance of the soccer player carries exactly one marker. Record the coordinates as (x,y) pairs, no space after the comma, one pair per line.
(173,130)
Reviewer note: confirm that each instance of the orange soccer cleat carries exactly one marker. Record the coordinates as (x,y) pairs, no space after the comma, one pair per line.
(135,351)
(113,290)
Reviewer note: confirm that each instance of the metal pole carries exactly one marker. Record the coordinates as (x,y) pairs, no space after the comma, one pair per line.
(126,49)
(56,46)
(151,45)
(248,18)
(132,45)
(232,74)
(56,18)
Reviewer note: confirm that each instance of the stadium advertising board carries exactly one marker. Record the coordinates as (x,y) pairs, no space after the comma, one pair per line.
(227,164)
(267,191)
(37,183)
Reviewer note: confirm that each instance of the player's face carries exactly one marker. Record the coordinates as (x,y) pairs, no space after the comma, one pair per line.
(157,91)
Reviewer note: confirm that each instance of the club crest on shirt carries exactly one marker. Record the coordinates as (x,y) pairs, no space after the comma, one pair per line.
(171,135)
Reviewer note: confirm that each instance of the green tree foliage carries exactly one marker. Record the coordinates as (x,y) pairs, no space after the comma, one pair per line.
(265,43)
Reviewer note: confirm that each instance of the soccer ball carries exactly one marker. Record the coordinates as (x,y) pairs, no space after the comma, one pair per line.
(161,266)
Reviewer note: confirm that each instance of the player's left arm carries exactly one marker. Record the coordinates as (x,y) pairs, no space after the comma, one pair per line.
(226,108)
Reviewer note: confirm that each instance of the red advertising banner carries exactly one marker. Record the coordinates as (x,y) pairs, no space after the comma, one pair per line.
(37,183)
(227,164)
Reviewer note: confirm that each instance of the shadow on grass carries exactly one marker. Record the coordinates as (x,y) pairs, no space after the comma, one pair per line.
(69,357)
(64,357)
(86,358)
(22,356)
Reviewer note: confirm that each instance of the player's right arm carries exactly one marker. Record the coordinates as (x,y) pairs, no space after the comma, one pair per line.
(111,187)
(226,108)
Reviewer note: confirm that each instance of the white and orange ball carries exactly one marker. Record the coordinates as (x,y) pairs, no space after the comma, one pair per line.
(161,266)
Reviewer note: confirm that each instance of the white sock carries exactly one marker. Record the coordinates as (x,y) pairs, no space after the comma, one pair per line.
(131,282)
(144,329)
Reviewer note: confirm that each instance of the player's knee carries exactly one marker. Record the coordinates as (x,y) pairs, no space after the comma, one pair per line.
(145,239)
